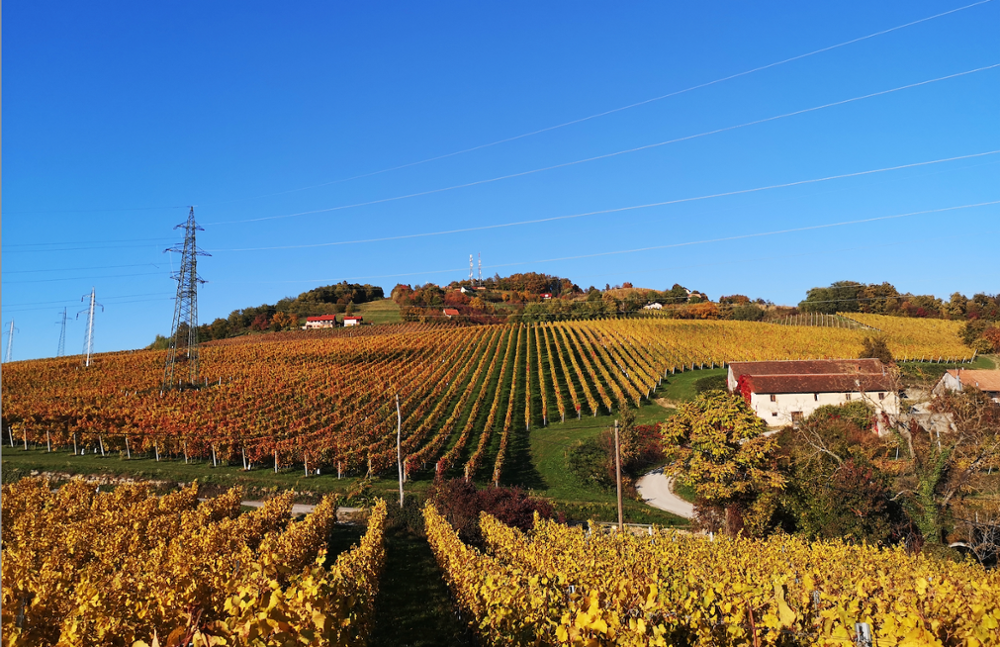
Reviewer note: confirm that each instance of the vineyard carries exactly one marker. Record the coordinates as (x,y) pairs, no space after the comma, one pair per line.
(559,586)
(87,568)
(307,401)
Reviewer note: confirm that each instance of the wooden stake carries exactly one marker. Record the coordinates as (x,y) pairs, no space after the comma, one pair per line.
(156,450)
(214,463)
(101,440)
(128,450)
(276,461)
(74,444)
(10,434)
(48,443)
(399,448)
(185,452)
(618,478)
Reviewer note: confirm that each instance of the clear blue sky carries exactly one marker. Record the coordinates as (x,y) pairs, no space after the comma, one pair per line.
(119,114)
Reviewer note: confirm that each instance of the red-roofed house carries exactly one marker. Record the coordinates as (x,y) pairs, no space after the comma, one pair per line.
(784,393)
(353,321)
(956,379)
(322,321)
(450,312)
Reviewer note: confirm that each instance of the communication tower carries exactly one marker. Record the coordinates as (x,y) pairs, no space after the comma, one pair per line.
(472,277)
(10,341)
(182,354)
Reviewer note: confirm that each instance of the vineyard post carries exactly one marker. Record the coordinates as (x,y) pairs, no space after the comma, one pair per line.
(276,461)
(305,464)
(399,448)
(618,479)
(10,434)
(338,470)
(214,463)
(185,452)
(100,439)
(74,444)
(128,450)
(48,443)
(156,450)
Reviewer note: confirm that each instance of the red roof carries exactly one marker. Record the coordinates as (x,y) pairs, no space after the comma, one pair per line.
(354,318)
(808,367)
(451,312)
(322,318)
(819,383)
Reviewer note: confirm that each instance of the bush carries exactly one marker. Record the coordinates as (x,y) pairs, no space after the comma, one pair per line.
(748,312)
(460,502)
(856,413)
(588,461)
(713,383)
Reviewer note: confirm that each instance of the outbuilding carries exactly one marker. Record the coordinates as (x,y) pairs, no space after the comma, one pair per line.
(353,321)
(957,379)
(322,321)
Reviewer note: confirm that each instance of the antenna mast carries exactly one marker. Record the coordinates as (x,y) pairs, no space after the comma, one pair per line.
(88,340)
(182,353)
(472,277)
(62,335)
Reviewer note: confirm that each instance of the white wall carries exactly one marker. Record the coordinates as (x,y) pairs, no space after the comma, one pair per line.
(779,412)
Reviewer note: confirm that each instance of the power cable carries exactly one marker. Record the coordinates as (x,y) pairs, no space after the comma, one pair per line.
(613,210)
(77,269)
(620,109)
(608,155)
(87,278)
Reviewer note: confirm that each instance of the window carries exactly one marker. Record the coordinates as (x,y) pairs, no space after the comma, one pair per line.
(815,397)
(774,398)
(774,414)
(847,397)
(881,396)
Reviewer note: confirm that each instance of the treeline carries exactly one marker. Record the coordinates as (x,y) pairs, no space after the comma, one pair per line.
(885,299)
(288,313)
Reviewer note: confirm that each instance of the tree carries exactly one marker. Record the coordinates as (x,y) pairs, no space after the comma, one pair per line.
(943,465)
(876,346)
(716,445)
(282,321)
(261,322)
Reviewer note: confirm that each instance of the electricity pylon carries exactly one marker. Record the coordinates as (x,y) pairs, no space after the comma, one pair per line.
(182,354)
(62,335)
(10,341)
(88,339)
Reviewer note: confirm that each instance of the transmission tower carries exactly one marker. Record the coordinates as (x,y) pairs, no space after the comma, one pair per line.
(62,335)
(10,341)
(182,354)
(472,277)
(88,340)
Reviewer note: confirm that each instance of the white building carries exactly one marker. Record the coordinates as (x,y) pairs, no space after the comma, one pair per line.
(353,321)
(957,379)
(323,321)
(786,392)
(653,306)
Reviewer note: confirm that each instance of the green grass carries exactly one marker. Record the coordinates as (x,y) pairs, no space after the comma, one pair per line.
(680,387)
(685,492)
(379,312)
(917,372)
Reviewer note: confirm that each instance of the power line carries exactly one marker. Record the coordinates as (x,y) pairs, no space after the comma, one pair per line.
(82,278)
(614,210)
(40,303)
(76,269)
(609,155)
(617,110)
(159,239)
(658,247)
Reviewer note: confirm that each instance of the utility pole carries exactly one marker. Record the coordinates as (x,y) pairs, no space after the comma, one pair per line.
(10,341)
(618,478)
(182,354)
(62,335)
(88,340)
(399,448)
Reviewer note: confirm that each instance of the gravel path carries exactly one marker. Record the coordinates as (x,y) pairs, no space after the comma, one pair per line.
(655,490)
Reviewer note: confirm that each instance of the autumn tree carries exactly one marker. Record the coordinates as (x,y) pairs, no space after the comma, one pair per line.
(716,444)
(944,464)
(876,346)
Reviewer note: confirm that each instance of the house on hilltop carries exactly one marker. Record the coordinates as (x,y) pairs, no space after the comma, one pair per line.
(353,321)
(322,321)
(957,379)
(450,312)
(786,392)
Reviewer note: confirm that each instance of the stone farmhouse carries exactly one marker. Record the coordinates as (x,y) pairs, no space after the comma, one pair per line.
(786,392)
(957,379)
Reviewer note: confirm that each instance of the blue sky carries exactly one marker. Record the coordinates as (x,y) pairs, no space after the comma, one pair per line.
(119,115)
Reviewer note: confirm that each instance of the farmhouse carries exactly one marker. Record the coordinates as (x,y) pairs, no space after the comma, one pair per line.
(322,321)
(545,296)
(450,312)
(353,321)
(786,392)
(957,379)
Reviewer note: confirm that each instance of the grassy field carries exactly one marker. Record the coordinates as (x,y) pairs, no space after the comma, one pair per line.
(379,312)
